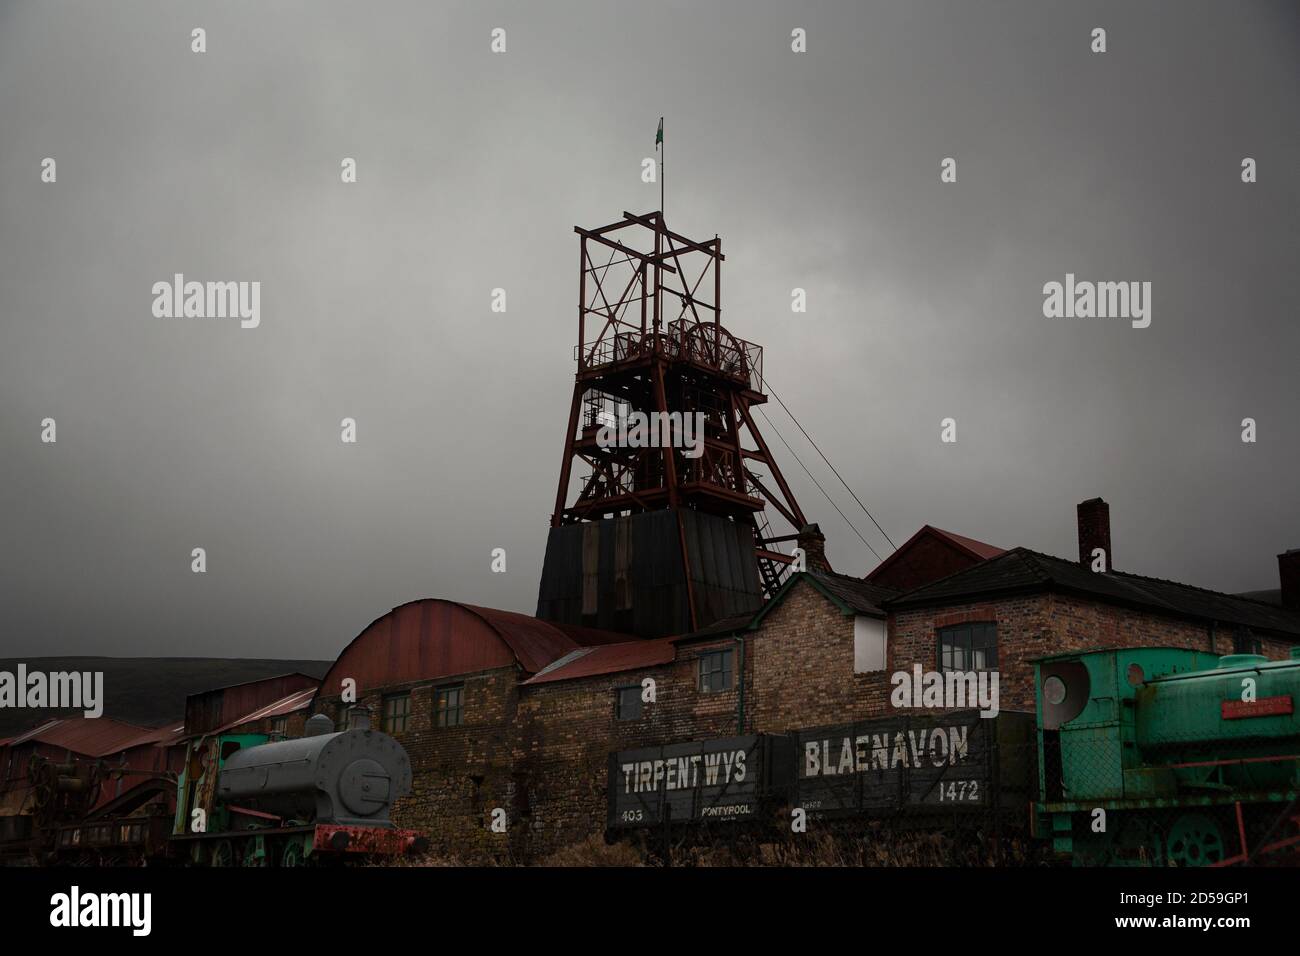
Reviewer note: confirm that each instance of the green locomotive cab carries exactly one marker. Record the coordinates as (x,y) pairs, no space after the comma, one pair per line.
(1167,756)
(198,810)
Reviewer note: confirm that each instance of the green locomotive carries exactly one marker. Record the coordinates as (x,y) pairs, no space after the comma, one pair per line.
(250,800)
(1168,757)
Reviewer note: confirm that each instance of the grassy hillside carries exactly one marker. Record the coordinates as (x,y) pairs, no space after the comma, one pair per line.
(149,691)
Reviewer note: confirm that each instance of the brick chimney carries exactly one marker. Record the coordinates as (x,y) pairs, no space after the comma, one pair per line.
(813,543)
(1094,531)
(1288,571)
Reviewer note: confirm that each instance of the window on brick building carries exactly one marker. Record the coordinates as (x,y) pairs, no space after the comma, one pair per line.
(715,670)
(279,725)
(1244,642)
(449,706)
(397,710)
(627,702)
(968,647)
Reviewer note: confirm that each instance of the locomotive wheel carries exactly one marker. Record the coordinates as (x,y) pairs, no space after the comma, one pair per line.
(250,858)
(1195,840)
(293,855)
(223,854)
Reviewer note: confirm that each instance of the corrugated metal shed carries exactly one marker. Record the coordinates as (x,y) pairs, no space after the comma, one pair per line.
(207,711)
(298,700)
(433,638)
(88,737)
(152,752)
(171,735)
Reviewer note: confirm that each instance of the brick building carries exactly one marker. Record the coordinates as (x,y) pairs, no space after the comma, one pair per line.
(503,711)
(444,678)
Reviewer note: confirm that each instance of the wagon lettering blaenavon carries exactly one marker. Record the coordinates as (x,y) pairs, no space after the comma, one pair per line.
(936,747)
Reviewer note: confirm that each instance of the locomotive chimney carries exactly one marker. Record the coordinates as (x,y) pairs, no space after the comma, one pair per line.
(813,543)
(1288,571)
(1094,531)
(359,717)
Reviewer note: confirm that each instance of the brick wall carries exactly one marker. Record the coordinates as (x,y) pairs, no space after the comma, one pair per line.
(458,774)
(799,673)
(802,657)
(567,730)
(1038,625)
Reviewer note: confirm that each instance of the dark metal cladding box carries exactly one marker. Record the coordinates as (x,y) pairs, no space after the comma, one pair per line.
(942,762)
(704,780)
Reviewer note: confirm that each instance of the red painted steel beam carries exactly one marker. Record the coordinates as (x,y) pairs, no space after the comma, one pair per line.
(703,247)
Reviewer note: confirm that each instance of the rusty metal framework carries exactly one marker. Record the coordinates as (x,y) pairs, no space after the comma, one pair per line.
(650,340)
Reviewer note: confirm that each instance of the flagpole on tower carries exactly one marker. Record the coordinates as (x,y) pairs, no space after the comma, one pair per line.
(659,145)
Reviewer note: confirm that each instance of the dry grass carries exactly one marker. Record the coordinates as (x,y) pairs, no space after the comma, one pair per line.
(593,851)
(871,847)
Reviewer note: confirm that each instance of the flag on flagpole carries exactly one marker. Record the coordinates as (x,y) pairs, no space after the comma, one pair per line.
(659,136)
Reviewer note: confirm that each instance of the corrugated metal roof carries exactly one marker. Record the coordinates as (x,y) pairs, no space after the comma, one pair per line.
(434,638)
(590,636)
(298,700)
(162,736)
(607,659)
(976,549)
(534,643)
(1022,570)
(89,737)
(218,707)
(626,574)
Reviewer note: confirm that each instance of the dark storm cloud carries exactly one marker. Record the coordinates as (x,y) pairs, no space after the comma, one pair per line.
(819,170)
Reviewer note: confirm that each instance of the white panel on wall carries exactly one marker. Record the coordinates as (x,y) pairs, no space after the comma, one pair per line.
(868,644)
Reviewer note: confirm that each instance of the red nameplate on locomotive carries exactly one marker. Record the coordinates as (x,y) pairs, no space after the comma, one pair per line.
(1264,707)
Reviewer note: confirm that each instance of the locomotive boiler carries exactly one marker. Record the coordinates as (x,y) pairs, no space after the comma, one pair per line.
(1165,756)
(352,777)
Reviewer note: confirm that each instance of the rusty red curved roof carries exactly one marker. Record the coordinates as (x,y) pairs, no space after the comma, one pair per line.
(432,638)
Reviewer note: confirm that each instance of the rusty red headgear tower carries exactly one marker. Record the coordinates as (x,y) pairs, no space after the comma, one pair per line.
(655,541)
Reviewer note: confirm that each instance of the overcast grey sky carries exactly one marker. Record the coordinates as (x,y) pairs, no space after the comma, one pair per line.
(819,170)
